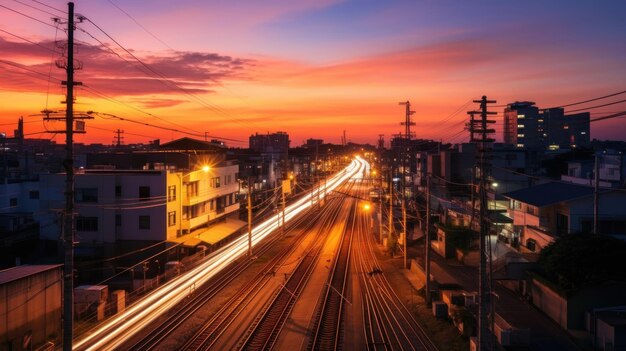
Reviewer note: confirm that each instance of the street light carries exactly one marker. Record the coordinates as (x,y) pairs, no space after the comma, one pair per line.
(206,168)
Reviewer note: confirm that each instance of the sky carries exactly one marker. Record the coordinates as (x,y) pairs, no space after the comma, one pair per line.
(311,68)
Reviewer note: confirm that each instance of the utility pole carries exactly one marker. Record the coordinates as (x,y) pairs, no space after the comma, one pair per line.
(380,208)
(68,219)
(390,207)
(480,134)
(596,195)
(118,137)
(283,193)
(406,155)
(427,243)
(405,230)
(249,217)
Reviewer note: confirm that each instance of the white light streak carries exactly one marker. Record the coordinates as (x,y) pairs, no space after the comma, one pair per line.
(119,328)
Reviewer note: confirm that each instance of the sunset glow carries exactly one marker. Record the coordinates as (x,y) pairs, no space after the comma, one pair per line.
(234,69)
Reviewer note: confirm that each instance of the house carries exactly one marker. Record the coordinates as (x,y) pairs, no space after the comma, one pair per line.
(544,212)
(140,205)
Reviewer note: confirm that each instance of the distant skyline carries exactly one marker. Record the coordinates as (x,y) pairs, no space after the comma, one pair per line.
(311,68)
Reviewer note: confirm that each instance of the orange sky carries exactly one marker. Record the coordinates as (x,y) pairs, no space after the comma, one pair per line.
(315,87)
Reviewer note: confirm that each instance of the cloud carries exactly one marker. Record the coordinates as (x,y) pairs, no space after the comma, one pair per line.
(114,72)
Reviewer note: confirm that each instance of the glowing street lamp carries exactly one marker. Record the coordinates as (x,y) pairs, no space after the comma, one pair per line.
(206,168)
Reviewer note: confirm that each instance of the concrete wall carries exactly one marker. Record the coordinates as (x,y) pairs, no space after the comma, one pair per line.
(549,302)
(31,305)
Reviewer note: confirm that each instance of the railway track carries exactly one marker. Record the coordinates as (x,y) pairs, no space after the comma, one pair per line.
(328,325)
(206,336)
(201,295)
(388,324)
(264,332)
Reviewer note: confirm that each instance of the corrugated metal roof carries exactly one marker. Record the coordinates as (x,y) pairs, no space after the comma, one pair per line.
(19,272)
(549,193)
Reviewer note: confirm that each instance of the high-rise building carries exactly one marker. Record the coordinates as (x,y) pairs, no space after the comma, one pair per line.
(527,126)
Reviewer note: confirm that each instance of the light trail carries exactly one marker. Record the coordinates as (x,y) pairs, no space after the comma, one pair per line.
(124,325)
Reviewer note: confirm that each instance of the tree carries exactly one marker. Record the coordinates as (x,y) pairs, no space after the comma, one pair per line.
(575,261)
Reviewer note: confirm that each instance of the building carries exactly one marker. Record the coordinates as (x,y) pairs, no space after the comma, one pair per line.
(143,205)
(270,143)
(527,126)
(611,170)
(544,212)
(19,231)
(30,306)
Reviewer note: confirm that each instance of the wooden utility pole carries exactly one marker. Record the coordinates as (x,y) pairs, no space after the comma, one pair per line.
(480,134)
(427,243)
(249,217)
(68,219)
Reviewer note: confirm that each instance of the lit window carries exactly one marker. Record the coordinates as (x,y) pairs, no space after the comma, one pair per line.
(520,145)
(520,126)
(520,116)
(553,147)
(520,135)
(565,127)
(540,120)
(583,133)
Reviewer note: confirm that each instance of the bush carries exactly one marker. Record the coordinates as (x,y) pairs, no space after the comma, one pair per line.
(575,261)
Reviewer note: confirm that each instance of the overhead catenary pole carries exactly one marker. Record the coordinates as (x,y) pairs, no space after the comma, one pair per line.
(249,217)
(406,266)
(283,198)
(390,207)
(380,208)
(68,219)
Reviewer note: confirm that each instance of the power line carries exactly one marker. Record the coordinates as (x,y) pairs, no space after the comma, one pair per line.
(139,24)
(28,16)
(48,6)
(598,106)
(162,78)
(36,8)
(111,116)
(590,100)
(26,40)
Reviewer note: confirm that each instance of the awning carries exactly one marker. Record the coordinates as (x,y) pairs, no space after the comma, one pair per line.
(212,234)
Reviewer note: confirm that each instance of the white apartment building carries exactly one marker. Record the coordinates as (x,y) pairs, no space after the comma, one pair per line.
(145,205)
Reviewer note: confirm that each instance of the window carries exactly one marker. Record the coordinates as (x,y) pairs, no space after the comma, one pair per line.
(13,202)
(520,135)
(521,116)
(520,126)
(86,195)
(118,191)
(217,182)
(171,193)
(87,224)
(171,218)
(192,189)
(33,194)
(144,193)
(118,220)
(144,222)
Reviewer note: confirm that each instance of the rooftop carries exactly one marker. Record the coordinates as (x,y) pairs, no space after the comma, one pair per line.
(549,193)
(19,272)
